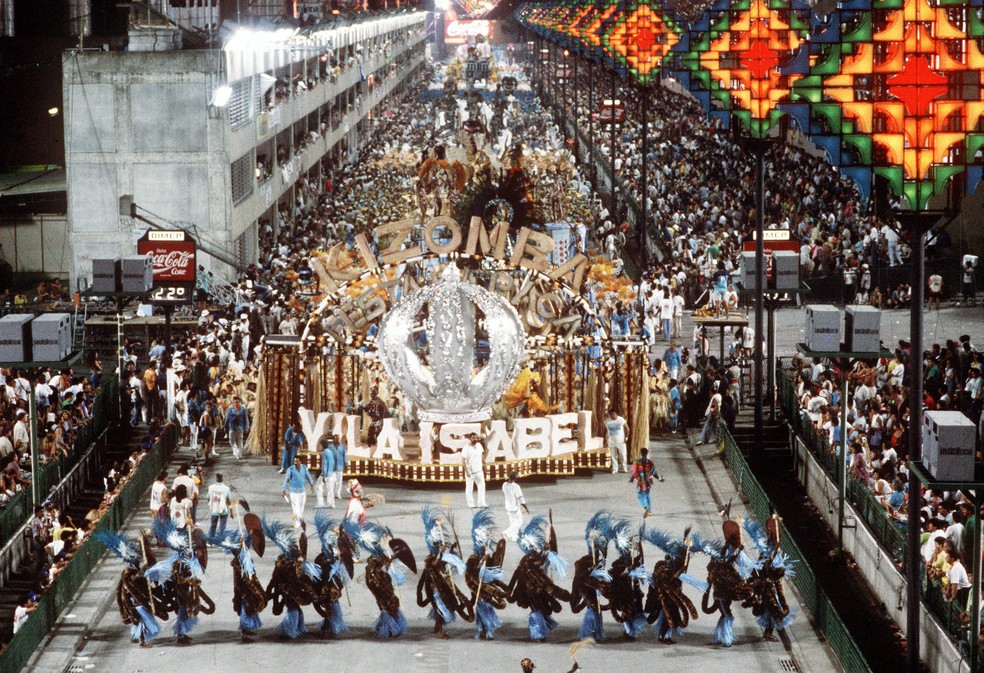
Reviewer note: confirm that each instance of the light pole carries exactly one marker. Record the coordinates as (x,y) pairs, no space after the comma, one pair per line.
(611,153)
(563,103)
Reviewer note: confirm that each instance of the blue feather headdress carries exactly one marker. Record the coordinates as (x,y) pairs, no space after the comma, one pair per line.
(532,538)
(756,531)
(664,541)
(127,550)
(168,534)
(327,532)
(282,535)
(701,545)
(622,534)
(177,541)
(483,531)
(436,533)
(231,542)
(598,532)
(370,537)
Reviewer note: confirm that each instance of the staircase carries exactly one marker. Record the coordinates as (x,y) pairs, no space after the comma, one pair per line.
(23,580)
(774,439)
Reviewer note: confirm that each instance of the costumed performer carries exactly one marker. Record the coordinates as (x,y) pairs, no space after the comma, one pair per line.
(483,574)
(669,609)
(592,582)
(293,582)
(436,586)
(729,573)
(336,564)
(770,606)
(249,598)
(629,575)
(180,575)
(386,553)
(531,586)
(139,606)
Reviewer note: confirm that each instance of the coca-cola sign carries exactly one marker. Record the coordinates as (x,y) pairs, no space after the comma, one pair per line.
(458,32)
(174,255)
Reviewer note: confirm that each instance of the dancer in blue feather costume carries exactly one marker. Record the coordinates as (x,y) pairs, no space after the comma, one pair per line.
(436,586)
(483,574)
(531,585)
(629,579)
(383,572)
(292,584)
(138,605)
(334,565)
(591,581)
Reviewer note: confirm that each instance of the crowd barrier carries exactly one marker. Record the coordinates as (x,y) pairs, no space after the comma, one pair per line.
(70,580)
(889,533)
(20,508)
(815,599)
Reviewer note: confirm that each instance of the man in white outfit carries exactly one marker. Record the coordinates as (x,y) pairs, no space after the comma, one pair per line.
(616,428)
(472,460)
(514,501)
(294,482)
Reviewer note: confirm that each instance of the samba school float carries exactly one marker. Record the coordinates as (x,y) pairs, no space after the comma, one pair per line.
(428,329)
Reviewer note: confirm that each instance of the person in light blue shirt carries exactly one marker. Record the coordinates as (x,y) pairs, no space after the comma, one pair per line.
(673,361)
(676,403)
(341,462)
(292,444)
(326,482)
(294,482)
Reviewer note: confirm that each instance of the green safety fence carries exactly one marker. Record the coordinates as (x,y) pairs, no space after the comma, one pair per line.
(69,581)
(891,534)
(814,597)
(20,508)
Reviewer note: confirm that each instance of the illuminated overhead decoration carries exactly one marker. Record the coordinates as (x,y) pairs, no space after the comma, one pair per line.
(746,56)
(891,88)
(909,78)
(638,37)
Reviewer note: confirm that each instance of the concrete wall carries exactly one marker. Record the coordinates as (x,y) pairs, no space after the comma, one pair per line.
(37,244)
(138,124)
(937,649)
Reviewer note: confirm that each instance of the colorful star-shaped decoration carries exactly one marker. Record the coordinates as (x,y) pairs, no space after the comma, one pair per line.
(638,39)
(914,91)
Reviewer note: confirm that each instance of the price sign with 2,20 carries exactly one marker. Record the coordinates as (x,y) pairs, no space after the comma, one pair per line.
(171,294)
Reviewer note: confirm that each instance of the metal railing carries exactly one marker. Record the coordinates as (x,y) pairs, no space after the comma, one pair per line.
(815,599)
(889,533)
(70,579)
(20,508)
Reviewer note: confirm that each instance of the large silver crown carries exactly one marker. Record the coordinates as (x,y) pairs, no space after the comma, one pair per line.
(455,357)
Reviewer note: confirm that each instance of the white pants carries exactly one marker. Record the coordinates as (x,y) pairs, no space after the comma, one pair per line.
(236,442)
(297,501)
(617,451)
(193,436)
(325,490)
(339,478)
(470,481)
(515,523)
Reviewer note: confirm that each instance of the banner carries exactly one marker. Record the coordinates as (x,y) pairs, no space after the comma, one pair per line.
(459,31)
(174,255)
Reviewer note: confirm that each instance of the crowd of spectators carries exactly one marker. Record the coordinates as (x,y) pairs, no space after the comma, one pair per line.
(64,403)
(876,432)
(55,536)
(699,196)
